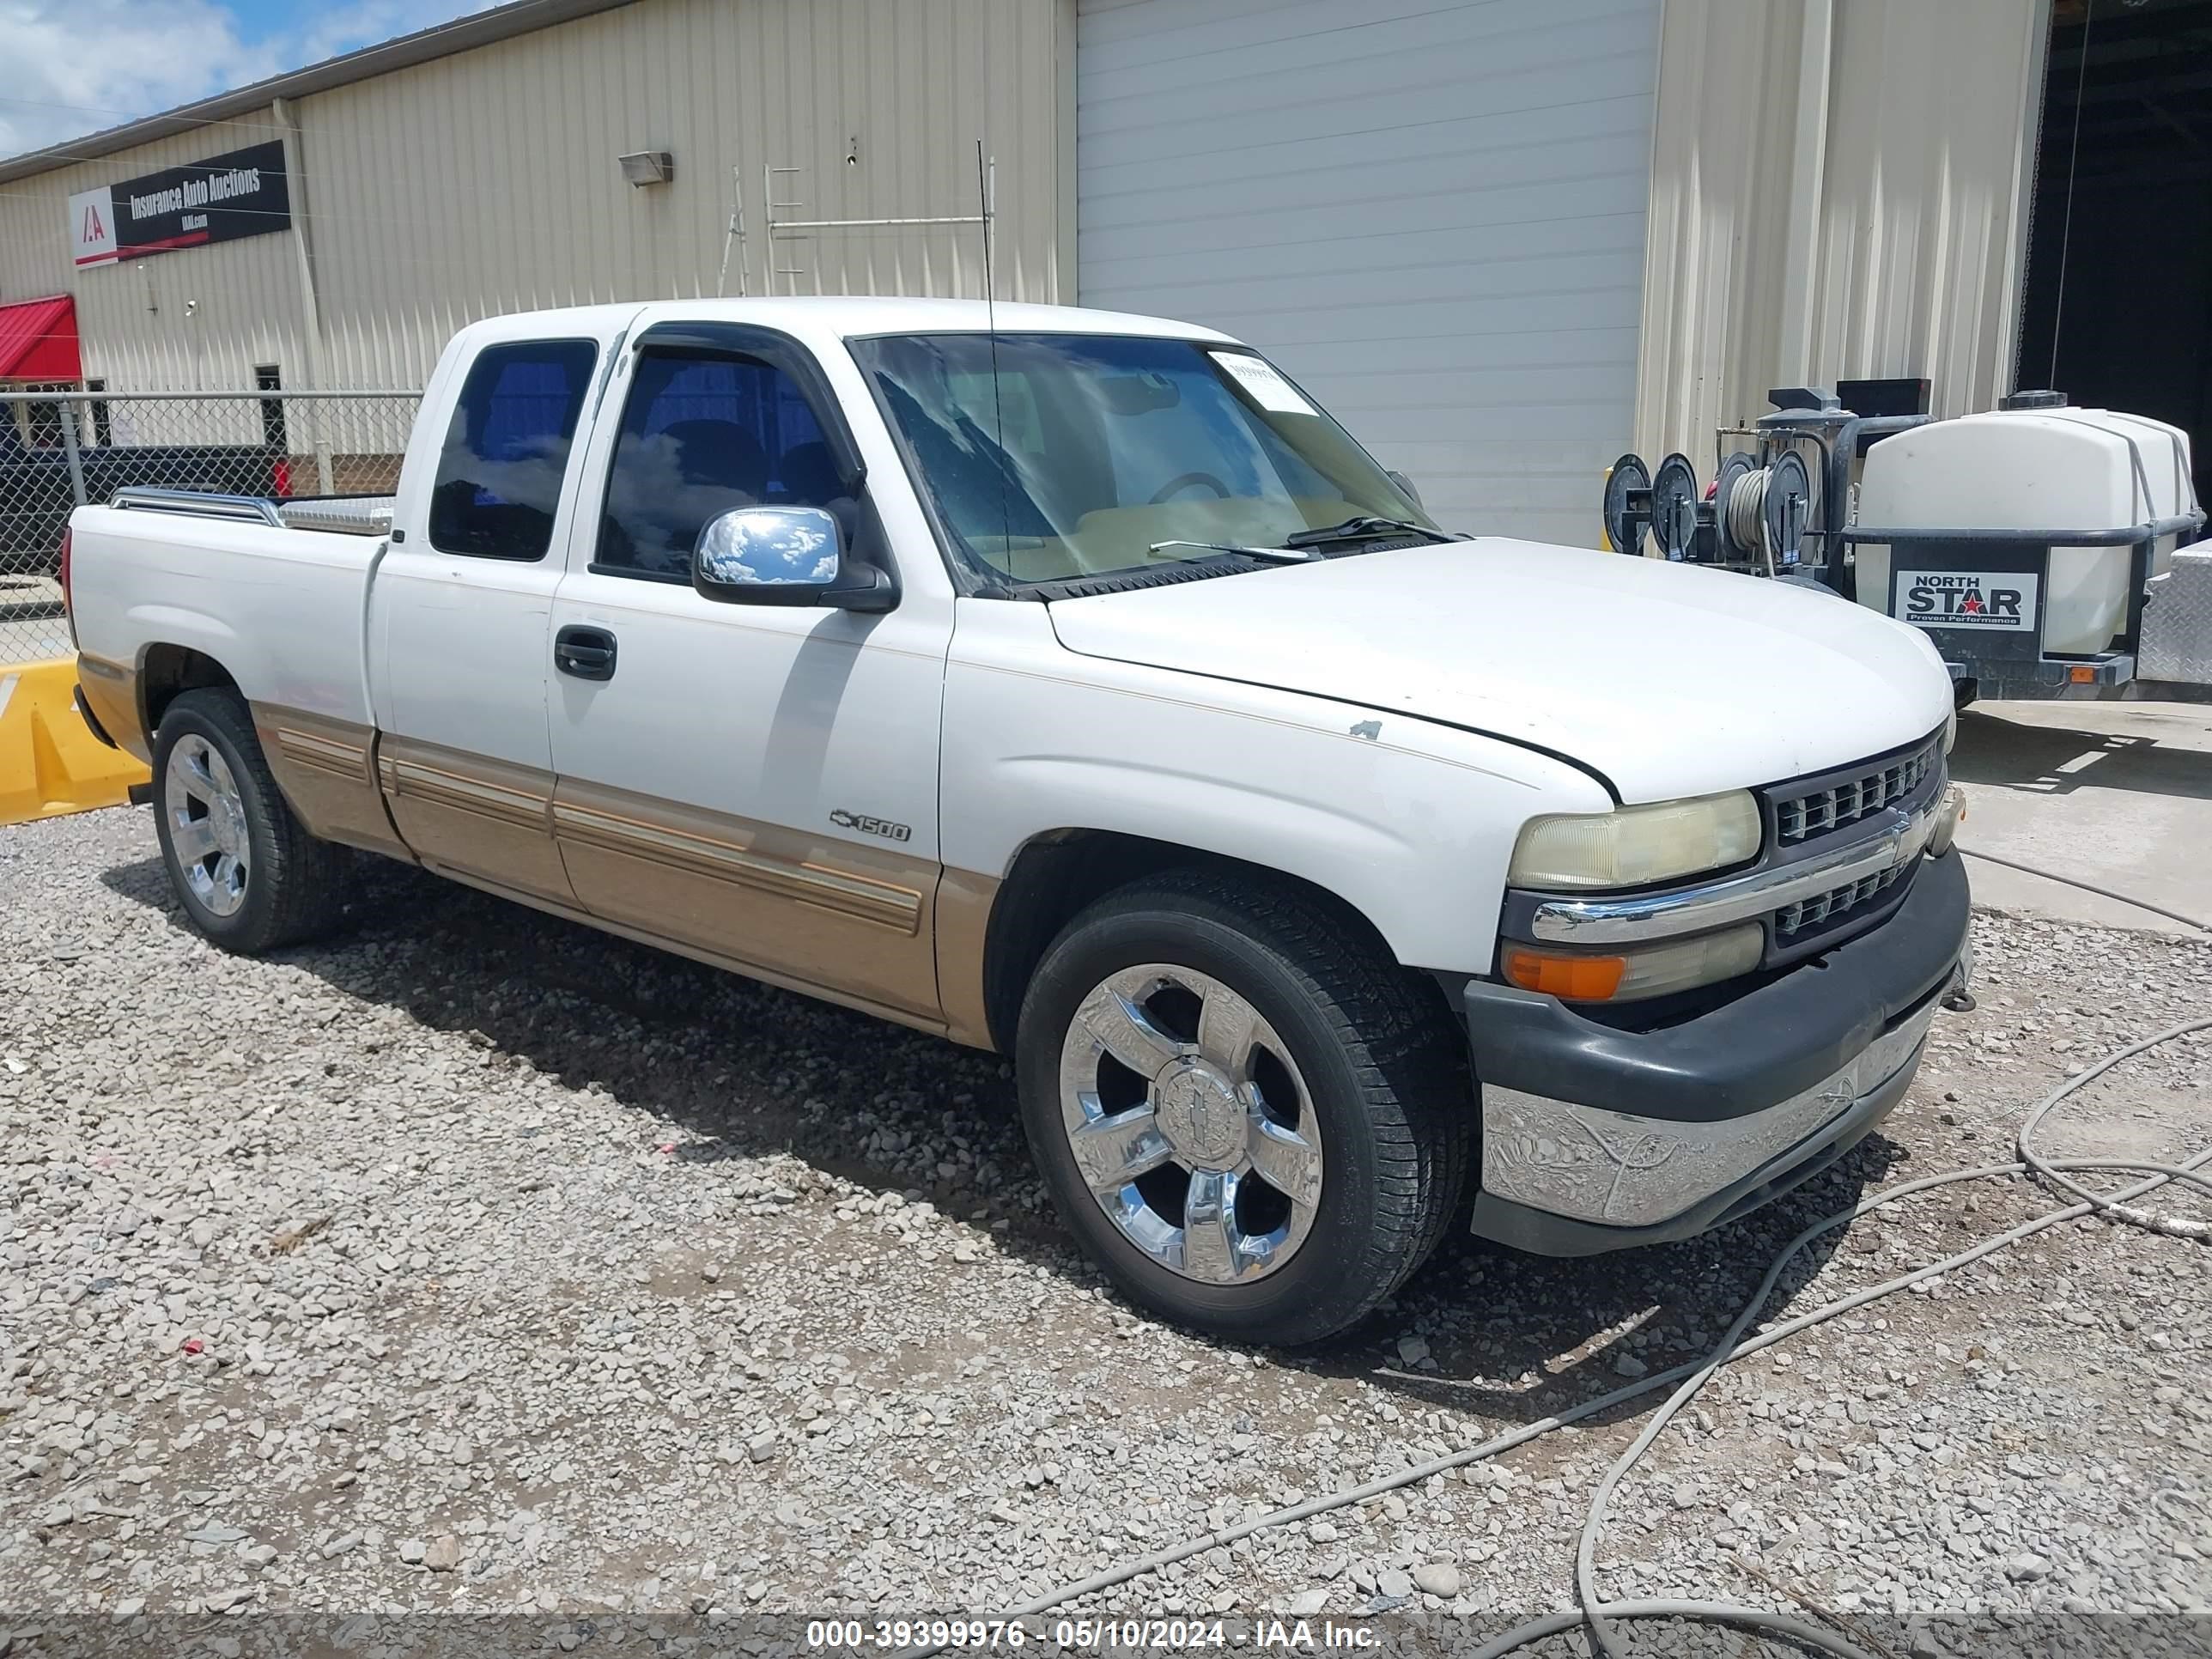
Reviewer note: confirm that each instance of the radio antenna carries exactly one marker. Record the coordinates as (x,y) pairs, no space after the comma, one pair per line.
(983,192)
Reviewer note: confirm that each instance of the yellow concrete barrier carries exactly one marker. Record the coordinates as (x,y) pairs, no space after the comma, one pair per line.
(50,762)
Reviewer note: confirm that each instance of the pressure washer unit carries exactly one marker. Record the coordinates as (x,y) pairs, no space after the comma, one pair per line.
(2042,548)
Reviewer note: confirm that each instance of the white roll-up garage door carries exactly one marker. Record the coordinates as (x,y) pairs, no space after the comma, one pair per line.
(1430,212)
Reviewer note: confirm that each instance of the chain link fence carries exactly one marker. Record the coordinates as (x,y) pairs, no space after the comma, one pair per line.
(64,448)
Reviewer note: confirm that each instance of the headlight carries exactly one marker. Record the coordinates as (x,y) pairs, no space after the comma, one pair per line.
(1634,845)
(1650,970)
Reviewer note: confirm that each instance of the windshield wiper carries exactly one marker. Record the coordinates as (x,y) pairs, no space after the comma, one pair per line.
(1289,554)
(1363,528)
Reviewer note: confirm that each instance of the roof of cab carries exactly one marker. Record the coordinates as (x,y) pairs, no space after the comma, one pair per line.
(856,317)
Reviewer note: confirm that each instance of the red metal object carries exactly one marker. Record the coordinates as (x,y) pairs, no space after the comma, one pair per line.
(280,477)
(38,340)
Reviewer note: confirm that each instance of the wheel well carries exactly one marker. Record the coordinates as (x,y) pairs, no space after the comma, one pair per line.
(1057,874)
(170,670)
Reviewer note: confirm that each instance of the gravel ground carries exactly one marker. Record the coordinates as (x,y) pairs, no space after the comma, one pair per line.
(474,1261)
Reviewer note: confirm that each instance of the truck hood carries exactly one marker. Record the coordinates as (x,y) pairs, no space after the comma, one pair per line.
(1666,679)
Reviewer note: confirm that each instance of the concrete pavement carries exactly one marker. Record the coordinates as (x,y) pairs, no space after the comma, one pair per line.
(2118,793)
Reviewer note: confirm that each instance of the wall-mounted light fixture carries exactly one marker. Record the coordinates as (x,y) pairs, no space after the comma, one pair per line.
(648,167)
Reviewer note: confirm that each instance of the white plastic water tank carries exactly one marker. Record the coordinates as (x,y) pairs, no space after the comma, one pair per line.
(2034,469)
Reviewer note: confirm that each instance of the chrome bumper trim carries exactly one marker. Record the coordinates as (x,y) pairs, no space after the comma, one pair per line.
(1647,916)
(1620,1170)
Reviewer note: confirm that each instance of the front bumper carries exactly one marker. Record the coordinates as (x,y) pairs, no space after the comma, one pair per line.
(1596,1138)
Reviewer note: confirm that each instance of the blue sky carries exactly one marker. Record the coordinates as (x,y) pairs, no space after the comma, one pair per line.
(76,66)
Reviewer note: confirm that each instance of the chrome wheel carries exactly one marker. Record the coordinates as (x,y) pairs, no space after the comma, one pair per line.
(207,824)
(1190,1123)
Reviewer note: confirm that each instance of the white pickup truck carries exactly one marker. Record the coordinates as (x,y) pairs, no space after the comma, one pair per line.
(1071,685)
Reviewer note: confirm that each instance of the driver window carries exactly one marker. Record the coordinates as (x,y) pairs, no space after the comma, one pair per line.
(701,435)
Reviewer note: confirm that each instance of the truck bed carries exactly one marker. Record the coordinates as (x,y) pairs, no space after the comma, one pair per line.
(244,578)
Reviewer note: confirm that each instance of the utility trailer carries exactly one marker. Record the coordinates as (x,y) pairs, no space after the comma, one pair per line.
(2042,548)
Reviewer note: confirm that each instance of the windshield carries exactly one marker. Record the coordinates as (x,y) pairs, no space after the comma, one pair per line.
(1093,454)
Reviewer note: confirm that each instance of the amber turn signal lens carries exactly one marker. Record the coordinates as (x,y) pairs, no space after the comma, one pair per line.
(1581,979)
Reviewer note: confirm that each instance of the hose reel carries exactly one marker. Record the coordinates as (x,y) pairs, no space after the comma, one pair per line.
(1674,508)
(1627,504)
(1755,517)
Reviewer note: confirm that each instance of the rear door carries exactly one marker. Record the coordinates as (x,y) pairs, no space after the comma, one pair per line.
(459,613)
(756,783)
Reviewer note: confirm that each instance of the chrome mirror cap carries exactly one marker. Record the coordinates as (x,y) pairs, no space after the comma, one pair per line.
(753,548)
(786,556)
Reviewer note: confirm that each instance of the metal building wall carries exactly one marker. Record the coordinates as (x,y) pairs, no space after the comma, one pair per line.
(190,321)
(487,181)
(1430,212)
(1840,190)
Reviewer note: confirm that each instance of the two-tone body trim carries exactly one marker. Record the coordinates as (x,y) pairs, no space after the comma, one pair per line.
(729,961)
(822,909)
(895,907)
(339,756)
(327,771)
(450,787)
(816,913)
(470,815)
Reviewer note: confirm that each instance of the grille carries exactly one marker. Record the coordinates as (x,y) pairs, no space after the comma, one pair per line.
(1833,905)
(1815,812)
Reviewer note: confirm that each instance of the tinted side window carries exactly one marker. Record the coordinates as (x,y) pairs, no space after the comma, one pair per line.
(499,477)
(701,435)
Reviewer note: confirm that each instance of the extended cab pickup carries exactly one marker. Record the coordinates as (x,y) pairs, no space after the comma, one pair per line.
(1070,685)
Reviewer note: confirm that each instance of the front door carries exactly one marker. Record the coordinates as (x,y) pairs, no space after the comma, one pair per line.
(460,618)
(757,782)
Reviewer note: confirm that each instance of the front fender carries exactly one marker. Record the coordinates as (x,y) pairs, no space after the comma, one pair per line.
(1410,822)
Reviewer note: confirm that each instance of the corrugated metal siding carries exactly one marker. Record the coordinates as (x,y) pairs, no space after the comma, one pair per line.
(1431,214)
(486,182)
(181,321)
(1921,229)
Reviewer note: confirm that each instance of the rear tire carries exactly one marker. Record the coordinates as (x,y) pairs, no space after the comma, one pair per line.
(1290,1109)
(249,875)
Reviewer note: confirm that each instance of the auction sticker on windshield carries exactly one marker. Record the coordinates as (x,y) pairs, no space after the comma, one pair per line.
(1966,599)
(1263,381)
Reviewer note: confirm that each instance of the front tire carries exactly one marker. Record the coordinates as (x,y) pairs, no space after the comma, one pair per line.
(1255,1123)
(250,877)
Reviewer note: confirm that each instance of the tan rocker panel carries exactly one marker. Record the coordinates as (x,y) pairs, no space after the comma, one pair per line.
(466,812)
(850,918)
(327,771)
(806,912)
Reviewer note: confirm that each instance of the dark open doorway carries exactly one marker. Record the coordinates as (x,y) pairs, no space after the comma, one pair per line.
(2117,313)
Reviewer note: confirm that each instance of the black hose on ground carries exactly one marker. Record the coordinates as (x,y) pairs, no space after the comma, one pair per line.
(2091,887)
(1601,1618)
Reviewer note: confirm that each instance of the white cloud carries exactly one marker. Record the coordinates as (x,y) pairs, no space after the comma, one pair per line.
(76,66)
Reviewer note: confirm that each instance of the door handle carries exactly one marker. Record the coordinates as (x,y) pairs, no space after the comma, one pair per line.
(586,653)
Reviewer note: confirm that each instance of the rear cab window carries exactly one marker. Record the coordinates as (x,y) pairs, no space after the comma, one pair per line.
(506,453)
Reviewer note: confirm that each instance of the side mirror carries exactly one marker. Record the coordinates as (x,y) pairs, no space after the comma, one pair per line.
(785,556)
(1407,485)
